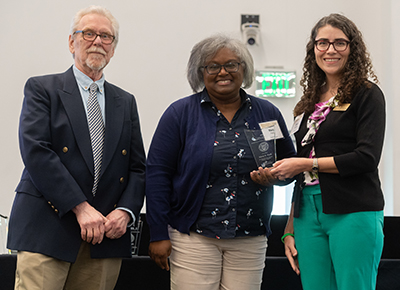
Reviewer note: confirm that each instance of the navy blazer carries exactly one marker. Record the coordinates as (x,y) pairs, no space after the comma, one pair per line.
(58,175)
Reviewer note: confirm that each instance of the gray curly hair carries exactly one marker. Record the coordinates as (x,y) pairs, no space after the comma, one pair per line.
(207,48)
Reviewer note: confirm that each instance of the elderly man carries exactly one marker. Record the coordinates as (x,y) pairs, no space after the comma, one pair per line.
(83,182)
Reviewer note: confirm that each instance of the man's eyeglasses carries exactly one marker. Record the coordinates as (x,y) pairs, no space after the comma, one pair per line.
(90,35)
(214,69)
(339,45)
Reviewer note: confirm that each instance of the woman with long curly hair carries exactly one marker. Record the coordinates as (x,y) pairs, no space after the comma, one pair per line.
(334,234)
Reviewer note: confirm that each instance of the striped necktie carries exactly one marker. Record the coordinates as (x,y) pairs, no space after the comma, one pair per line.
(96,129)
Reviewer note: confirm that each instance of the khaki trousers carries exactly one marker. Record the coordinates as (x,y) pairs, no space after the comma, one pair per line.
(201,263)
(40,272)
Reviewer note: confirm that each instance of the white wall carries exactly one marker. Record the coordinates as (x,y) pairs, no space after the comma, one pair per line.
(156,37)
(395,96)
(391,48)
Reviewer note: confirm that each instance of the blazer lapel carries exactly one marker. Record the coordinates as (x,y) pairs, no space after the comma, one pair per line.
(114,114)
(72,101)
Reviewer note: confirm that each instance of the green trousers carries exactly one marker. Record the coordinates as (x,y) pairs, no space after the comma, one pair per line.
(337,251)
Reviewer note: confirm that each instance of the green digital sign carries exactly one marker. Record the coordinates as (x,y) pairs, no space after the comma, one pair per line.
(280,84)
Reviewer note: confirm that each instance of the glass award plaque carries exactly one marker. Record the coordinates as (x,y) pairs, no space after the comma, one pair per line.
(263,149)
(136,233)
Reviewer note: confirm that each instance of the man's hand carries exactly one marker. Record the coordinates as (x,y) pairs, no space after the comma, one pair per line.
(117,222)
(91,222)
(159,251)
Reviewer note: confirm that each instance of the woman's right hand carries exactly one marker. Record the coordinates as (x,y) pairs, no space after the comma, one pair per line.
(159,251)
(290,167)
(290,245)
(291,253)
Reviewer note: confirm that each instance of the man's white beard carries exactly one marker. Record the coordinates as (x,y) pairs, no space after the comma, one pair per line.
(96,63)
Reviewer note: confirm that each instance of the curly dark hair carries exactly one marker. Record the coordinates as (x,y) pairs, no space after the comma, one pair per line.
(358,68)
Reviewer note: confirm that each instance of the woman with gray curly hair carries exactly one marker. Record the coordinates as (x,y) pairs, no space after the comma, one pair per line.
(207,48)
(208,205)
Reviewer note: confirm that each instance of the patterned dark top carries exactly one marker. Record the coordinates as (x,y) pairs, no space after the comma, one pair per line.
(232,205)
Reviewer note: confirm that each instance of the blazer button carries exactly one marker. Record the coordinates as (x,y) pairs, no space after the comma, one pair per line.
(56,210)
(65,149)
(49,202)
(124,152)
(52,207)
(121,180)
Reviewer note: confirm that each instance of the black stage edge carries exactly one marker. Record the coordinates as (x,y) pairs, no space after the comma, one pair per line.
(141,273)
(391,249)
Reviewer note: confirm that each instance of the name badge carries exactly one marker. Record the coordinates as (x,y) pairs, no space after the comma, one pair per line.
(271,130)
(342,107)
(296,124)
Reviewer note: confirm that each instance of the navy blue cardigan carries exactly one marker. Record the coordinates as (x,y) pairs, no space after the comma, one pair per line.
(179,162)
